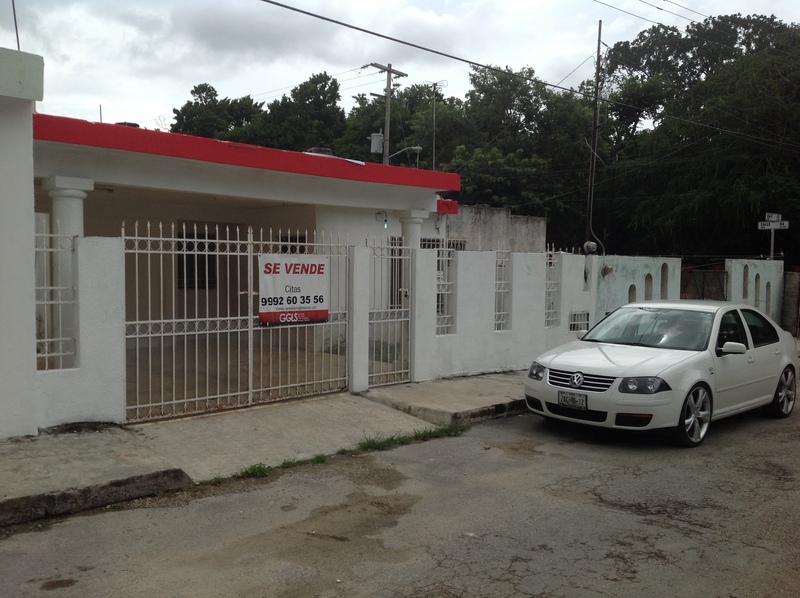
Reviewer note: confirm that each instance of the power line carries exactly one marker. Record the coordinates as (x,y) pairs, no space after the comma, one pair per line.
(473,63)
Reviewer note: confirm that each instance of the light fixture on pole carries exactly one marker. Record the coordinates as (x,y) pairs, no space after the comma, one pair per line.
(413,148)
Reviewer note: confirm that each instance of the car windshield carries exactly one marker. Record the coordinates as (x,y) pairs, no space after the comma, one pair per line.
(663,328)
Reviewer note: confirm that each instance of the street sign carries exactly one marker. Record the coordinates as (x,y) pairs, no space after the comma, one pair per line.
(773,225)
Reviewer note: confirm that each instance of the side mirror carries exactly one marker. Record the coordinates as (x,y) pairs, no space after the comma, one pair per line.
(732,348)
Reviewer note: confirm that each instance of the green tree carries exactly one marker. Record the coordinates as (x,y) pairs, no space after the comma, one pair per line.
(721,152)
(309,117)
(209,116)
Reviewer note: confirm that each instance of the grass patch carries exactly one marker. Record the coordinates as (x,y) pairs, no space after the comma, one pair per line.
(316,459)
(258,470)
(389,442)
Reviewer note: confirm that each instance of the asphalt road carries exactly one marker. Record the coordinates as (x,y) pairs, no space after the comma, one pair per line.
(515,507)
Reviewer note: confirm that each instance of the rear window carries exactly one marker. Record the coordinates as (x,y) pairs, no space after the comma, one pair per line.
(761,330)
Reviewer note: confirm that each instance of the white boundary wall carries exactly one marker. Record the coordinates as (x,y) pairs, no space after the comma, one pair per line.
(95,389)
(591,286)
(21,80)
(758,283)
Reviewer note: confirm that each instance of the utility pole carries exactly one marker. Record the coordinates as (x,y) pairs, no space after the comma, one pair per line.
(593,156)
(388,118)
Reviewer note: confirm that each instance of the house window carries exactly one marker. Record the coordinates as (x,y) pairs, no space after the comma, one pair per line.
(578,321)
(294,243)
(197,260)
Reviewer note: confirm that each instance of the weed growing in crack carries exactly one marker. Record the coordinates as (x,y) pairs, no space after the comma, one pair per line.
(389,442)
(258,470)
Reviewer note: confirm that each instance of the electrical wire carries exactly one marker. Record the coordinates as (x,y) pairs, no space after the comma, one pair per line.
(744,136)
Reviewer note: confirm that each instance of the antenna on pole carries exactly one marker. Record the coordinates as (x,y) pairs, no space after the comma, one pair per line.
(16,28)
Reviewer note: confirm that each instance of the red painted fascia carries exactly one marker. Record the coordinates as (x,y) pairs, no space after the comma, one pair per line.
(60,129)
(446,206)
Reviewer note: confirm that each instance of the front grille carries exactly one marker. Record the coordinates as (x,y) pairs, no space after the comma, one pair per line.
(591,382)
(588,415)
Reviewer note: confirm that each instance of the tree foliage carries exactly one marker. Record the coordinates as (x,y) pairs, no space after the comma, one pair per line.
(699,136)
(208,116)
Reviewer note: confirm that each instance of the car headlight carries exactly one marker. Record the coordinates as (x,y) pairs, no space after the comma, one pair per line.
(536,371)
(643,386)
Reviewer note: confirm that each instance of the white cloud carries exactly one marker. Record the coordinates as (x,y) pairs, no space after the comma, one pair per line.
(139,60)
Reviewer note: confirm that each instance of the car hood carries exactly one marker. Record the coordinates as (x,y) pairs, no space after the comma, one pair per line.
(612,360)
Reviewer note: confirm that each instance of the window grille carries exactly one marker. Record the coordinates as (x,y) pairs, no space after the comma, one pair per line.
(55,301)
(578,321)
(445,287)
(502,292)
(552,317)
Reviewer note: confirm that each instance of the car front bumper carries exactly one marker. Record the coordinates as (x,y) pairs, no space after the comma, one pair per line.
(610,409)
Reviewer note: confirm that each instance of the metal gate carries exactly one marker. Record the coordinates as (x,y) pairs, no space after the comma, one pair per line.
(389,313)
(704,284)
(194,343)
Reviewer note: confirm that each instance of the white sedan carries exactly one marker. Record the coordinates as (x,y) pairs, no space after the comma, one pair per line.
(670,364)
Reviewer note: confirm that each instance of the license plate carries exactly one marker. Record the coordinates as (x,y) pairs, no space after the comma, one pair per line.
(572,400)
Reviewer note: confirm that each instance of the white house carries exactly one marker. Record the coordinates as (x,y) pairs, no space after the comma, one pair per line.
(140,273)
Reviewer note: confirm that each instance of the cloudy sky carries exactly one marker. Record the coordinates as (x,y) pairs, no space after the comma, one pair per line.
(139,60)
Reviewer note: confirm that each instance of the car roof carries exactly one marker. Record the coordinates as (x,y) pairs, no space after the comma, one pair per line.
(687,304)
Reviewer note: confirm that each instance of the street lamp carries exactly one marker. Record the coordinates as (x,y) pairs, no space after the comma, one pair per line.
(413,148)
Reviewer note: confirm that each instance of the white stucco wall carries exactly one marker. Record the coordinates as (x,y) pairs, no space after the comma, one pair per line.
(758,283)
(95,389)
(21,77)
(366,226)
(576,295)
(616,274)
(490,229)
(475,346)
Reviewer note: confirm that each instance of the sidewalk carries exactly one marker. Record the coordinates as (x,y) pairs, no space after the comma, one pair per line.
(51,474)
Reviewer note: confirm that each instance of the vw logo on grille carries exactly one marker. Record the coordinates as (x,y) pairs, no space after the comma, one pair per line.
(576,380)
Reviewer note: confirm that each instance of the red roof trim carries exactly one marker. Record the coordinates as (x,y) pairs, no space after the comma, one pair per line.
(446,206)
(60,129)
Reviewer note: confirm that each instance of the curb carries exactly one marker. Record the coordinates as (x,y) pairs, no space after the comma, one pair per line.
(491,412)
(440,417)
(73,500)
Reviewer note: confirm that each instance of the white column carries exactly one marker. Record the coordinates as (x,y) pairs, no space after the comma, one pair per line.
(411,221)
(68,194)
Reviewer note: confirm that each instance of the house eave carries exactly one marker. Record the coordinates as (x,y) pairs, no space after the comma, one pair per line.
(69,131)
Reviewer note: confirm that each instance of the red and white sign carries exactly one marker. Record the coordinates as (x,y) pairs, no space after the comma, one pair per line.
(293,289)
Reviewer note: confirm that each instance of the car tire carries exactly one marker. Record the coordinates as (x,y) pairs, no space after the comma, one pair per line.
(783,402)
(695,417)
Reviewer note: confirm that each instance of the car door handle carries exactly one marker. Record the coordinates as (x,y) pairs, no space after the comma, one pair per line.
(751,360)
